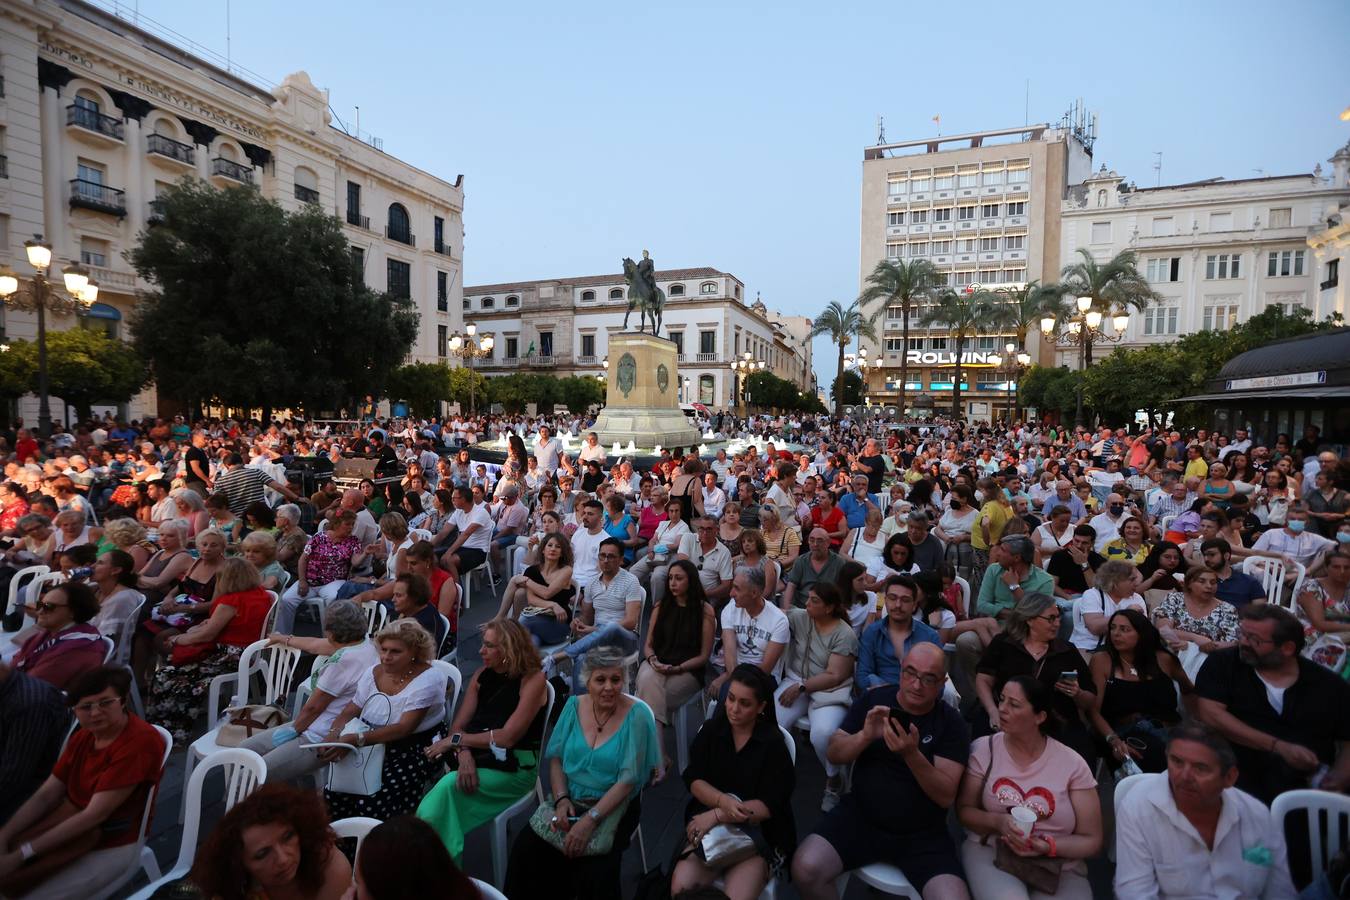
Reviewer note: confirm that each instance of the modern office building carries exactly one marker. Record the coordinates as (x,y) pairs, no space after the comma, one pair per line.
(984,208)
(562,326)
(100,114)
(1218,251)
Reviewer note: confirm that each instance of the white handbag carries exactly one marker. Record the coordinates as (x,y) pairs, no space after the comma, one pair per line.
(361,770)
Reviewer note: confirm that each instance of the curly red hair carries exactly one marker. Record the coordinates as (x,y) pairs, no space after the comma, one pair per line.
(219,871)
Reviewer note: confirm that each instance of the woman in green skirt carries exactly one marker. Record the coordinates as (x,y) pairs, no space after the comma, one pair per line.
(493,745)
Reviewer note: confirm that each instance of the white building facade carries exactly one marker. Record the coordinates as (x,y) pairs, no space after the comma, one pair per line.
(100,116)
(562,326)
(1217,251)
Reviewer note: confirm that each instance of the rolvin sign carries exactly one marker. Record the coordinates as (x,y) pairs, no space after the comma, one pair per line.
(946,358)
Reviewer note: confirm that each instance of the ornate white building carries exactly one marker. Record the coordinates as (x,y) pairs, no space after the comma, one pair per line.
(563,326)
(100,115)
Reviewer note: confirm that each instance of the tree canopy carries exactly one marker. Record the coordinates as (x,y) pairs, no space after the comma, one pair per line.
(257,306)
(842,324)
(84,367)
(768,391)
(513,392)
(847,389)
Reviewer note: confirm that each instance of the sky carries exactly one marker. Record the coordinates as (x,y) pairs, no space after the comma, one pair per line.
(730,134)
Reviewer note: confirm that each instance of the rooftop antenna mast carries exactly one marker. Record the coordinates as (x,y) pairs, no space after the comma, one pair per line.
(881,131)
(1157,166)
(227,36)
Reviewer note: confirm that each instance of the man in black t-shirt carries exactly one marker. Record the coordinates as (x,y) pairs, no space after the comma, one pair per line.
(909,751)
(198,464)
(1074,568)
(871,464)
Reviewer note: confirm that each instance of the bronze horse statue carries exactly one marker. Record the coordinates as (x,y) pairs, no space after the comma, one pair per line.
(643,292)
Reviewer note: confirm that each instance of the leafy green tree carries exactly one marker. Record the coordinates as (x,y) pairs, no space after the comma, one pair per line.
(256,306)
(423,385)
(903,284)
(18,371)
(85,367)
(1114,286)
(850,393)
(1049,388)
(1130,380)
(460,392)
(580,393)
(767,390)
(1021,309)
(842,324)
(964,314)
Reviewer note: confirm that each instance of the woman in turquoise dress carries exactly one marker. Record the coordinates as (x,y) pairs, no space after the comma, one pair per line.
(602,752)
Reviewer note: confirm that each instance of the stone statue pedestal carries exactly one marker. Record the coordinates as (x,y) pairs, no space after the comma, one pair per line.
(641,395)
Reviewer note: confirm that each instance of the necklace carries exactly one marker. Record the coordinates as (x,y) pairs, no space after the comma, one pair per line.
(600,726)
(400,681)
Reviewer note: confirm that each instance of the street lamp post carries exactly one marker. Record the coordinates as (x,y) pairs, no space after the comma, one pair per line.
(41,296)
(861,363)
(469,347)
(1011,368)
(744,367)
(1086,328)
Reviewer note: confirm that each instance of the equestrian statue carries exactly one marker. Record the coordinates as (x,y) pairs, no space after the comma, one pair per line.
(643,292)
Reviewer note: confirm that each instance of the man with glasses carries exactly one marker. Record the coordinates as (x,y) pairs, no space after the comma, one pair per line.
(713,561)
(1285,715)
(611,607)
(908,751)
(887,643)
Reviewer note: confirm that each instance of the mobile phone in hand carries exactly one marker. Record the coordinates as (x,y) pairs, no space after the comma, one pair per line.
(1069,676)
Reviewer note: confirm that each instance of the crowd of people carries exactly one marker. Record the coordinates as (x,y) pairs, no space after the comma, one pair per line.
(975,628)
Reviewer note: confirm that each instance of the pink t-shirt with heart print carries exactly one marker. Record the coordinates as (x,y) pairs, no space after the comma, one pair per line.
(1042,787)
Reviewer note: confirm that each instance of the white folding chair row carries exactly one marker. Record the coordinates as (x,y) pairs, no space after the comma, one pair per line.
(244,771)
(303,690)
(275,663)
(1324,840)
(466,580)
(502,822)
(1272,573)
(377,616)
(270,620)
(145,857)
(16,584)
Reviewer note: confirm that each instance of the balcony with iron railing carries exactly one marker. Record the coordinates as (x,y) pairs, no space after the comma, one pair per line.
(306,195)
(92,122)
(167,148)
(354,217)
(442,248)
(402,235)
(97,197)
(155,212)
(231,170)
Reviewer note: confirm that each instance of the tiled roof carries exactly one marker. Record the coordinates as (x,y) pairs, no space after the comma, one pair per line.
(590,280)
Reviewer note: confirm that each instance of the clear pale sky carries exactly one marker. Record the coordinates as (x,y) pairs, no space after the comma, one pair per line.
(730,134)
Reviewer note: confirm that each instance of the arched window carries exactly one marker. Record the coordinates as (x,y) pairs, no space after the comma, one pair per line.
(306,185)
(587,295)
(706,386)
(102,317)
(616,294)
(466,303)
(489,303)
(400,226)
(708,287)
(676,290)
(512,301)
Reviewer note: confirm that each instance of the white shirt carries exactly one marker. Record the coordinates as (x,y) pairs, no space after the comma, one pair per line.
(610,601)
(589,453)
(339,677)
(1095,602)
(1108,529)
(1302,547)
(586,554)
(547,454)
(714,501)
(1159,854)
(668,534)
(754,634)
(714,567)
(478,515)
(426,691)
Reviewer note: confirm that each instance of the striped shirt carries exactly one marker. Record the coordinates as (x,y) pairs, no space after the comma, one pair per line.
(242,486)
(33,723)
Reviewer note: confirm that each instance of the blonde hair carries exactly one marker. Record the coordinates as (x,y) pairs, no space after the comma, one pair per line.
(212,532)
(410,634)
(124,532)
(236,575)
(518,650)
(263,540)
(394,525)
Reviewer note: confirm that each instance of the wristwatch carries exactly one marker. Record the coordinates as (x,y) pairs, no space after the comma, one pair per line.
(455,741)
(594,814)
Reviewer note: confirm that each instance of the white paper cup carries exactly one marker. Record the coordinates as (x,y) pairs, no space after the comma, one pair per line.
(1024,819)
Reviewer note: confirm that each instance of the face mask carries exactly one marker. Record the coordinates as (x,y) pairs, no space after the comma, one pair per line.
(1117,509)
(1296,525)
(1343,537)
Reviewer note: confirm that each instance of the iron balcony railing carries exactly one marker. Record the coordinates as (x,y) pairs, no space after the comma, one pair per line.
(168,147)
(98,197)
(228,168)
(93,120)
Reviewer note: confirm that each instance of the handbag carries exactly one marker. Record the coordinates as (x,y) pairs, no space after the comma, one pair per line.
(1039,873)
(242,722)
(602,838)
(725,846)
(361,770)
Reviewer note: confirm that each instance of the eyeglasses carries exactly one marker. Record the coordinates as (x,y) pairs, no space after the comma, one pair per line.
(1052,617)
(48,606)
(1246,637)
(105,703)
(923,678)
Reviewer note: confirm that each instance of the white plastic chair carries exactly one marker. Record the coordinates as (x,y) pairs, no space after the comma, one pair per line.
(244,771)
(681,724)
(770,891)
(525,804)
(275,663)
(377,615)
(354,827)
(964,585)
(16,583)
(270,620)
(466,580)
(455,680)
(302,690)
(145,857)
(1336,807)
(487,891)
(1271,573)
(883,877)
(109,649)
(452,655)
(126,631)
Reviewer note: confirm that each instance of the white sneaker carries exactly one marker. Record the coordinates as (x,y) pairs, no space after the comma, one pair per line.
(829,800)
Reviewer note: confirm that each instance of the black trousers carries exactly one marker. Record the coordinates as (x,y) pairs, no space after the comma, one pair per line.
(537,869)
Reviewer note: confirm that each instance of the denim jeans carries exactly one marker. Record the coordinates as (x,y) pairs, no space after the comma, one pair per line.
(612,634)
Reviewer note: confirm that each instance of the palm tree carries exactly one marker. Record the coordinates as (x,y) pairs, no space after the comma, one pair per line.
(964,314)
(1114,286)
(903,284)
(1021,309)
(843,324)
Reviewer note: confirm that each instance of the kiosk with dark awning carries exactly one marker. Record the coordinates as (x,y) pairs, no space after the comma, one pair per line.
(1284,386)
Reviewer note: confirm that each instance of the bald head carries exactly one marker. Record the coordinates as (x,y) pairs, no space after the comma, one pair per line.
(353,499)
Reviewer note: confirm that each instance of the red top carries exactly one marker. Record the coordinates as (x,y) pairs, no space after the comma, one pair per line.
(131,760)
(250,611)
(10,516)
(58,658)
(24,449)
(830,523)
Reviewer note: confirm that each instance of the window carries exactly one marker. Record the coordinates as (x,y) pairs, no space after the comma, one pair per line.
(84,101)
(438,234)
(960,279)
(1281,217)
(359,260)
(705,390)
(1282,263)
(1016,209)
(1015,242)
(1220,318)
(942,215)
(1289,305)
(399,278)
(1101,232)
(895,313)
(545,343)
(1014,276)
(918,217)
(941,247)
(442,292)
(1160,320)
(708,287)
(895,218)
(1333,273)
(512,301)
(677,337)
(587,295)
(442,331)
(986,343)
(919,184)
(676,290)
(1221,221)
(89,171)
(1223,265)
(895,187)
(965,245)
(918,249)
(306,185)
(489,303)
(588,345)
(353,203)
(512,348)
(989,276)
(1163,268)
(1162,226)
(93,252)
(989,210)
(995,177)
(989,243)
(1019,176)
(893,345)
(937,343)
(916,343)
(968,179)
(965,213)
(707,342)
(399,227)
(944,182)
(616,293)
(894,251)
(465,303)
